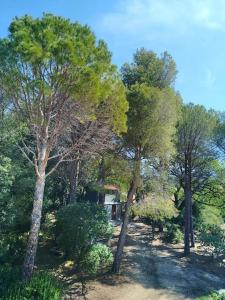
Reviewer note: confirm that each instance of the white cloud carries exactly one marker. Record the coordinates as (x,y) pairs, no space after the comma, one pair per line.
(147,17)
(210,79)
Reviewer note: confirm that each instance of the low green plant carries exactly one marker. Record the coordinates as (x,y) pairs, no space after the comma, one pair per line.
(98,257)
(173,233)
(42,286)
(207,215)
(213,296)
(11,248)
(155,208)
(213,238)
(79,227)
(8,277)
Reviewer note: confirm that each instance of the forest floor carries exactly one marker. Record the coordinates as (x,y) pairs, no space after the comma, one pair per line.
(152,270)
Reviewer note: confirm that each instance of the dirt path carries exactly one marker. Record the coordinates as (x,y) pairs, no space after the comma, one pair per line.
(153,271)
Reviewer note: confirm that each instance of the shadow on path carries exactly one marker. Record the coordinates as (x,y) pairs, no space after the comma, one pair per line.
(154,271)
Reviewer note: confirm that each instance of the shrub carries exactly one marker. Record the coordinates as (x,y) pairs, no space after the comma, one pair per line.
(173,233)
(79,226)
(42,286)
(207,215)
(8,277)
(11,248)
(156,208)
(98,257)
(213,296)
(213,238)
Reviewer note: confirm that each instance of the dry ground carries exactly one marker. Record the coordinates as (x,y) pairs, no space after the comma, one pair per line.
(151,270)
(155,271)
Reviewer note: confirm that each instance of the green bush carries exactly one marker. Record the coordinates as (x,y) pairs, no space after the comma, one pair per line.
(11,248)
(207,215)
(8,277)
(98,257)
(213,296)
(213,238)
(173,234)
(42,286)
(79,226)
(156,208)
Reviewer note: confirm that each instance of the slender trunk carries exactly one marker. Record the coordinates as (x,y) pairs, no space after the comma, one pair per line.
(28,265)
(176,197)
(74,176)
(123,232)
(101,182)
(160,225)
(192,236)
(187,214)
(130,195)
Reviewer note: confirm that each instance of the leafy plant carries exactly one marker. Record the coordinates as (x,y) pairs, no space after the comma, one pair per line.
(173,233)
(155,208)
(11,248)
(213,238)
(42,286)
(8,277)
(98,257)
(213,296)
(79,226)
(208,215)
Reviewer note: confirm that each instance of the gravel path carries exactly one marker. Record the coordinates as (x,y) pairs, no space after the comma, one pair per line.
(153,271)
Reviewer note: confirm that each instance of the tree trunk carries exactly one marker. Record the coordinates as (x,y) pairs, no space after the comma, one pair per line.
(133,187)
(160,225)
(74,176)
(101,182)
(28,265)
(123,232)
(192,236)
(176,197)
(187,214)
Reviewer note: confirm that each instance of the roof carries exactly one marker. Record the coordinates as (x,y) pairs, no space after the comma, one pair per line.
(112,203)
(111,187)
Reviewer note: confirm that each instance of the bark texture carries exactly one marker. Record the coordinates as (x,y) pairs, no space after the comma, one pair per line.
(130,195)
(188,202)
(192,235)
(34,230)
(123,232)
(74,177)
(101,182)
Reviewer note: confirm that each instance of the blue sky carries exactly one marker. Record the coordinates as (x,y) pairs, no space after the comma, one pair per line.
(192,31)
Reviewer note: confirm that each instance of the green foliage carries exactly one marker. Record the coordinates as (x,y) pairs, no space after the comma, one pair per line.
(16,191)
(79,226)
(49,53)
(196,127)
(213,238)
(208,215)
(6,176)
(12,248)
(155,208)
(153,108)
(98,257)
(220,134)
(117,171)
(56,76)
(152,117)
(173,233)
(213,296)
(8,277)
(195,131)
(42,286)
(213,193)
(148,68)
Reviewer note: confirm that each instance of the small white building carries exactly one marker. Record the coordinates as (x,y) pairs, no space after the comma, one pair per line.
(112,202)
